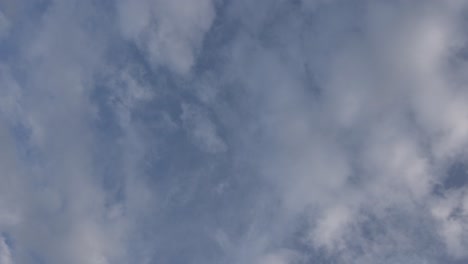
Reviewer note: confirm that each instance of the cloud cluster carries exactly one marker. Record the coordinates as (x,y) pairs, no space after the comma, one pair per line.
(241,131)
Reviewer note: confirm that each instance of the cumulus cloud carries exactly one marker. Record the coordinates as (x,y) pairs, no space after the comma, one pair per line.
(233,132)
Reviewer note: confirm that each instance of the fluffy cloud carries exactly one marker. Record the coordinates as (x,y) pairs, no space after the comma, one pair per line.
(233,132)
(169,32)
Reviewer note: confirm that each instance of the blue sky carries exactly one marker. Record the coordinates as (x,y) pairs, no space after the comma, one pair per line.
(216,131)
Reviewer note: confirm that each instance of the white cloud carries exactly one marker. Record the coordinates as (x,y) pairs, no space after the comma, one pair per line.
(5,253)
(387,118)
(330,127)
(169,32)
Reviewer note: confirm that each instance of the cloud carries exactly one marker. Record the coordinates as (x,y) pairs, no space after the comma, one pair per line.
(202,130)
(169,32)
(233,132)
(5,253)
(377,127)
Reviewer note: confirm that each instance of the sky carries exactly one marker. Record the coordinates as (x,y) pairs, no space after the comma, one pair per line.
(233,131)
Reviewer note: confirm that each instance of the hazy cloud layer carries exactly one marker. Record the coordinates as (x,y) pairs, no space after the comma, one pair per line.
(213,131)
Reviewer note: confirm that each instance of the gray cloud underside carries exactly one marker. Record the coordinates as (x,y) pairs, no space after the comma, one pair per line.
(214,131)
